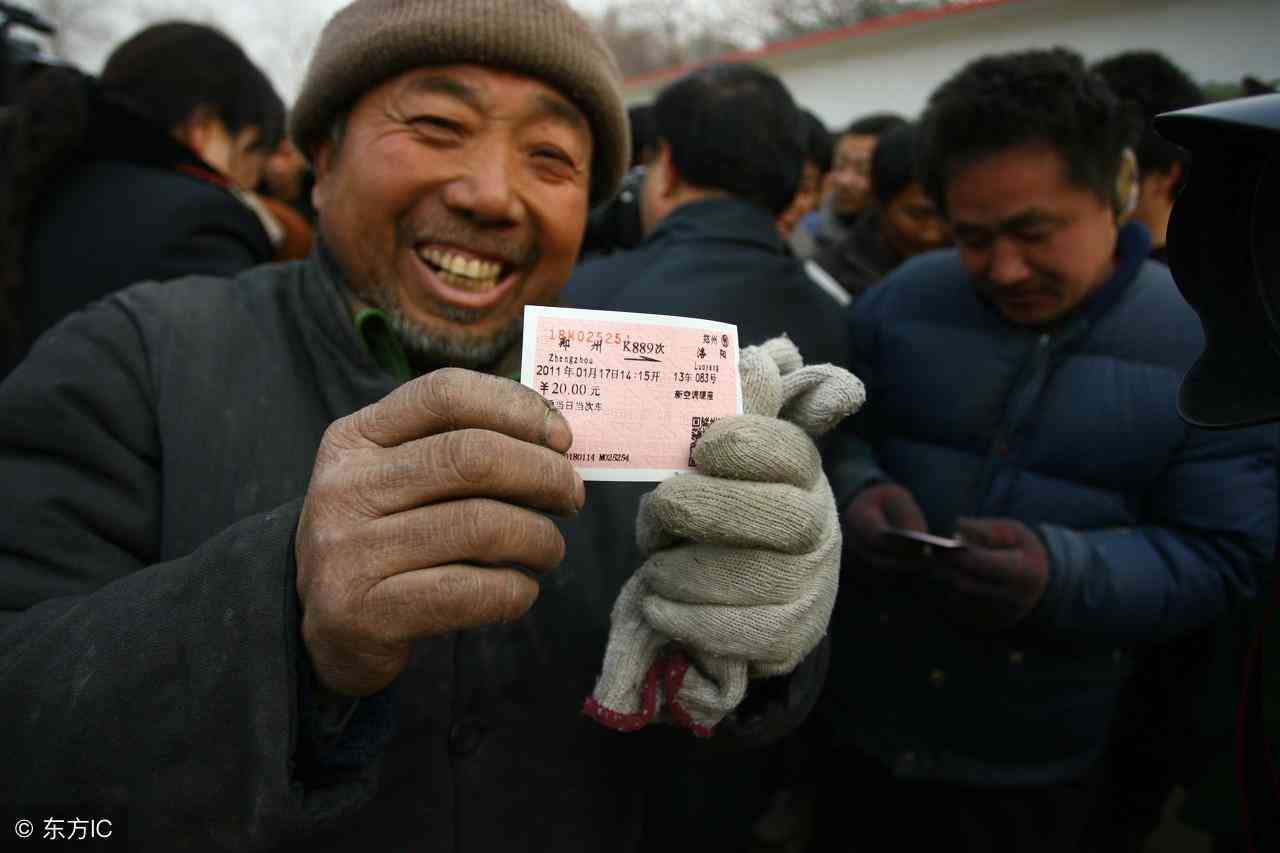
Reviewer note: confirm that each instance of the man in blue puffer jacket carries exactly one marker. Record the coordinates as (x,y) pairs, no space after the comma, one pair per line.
(1021,396)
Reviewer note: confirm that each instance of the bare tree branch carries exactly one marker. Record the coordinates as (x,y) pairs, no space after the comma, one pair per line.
(78,26)
(648,35)
(791,18)
(279,35)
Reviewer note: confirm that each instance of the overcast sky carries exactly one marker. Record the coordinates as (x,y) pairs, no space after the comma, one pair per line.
(278,34)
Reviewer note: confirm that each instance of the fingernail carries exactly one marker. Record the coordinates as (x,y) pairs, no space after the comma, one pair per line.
(580,491)
(559,435)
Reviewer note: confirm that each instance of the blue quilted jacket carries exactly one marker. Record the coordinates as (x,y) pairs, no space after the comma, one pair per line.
(1153,528)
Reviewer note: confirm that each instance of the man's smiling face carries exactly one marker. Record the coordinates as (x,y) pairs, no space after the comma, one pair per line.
(453,197)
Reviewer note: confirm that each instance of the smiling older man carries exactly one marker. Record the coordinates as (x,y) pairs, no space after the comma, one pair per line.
(268,555)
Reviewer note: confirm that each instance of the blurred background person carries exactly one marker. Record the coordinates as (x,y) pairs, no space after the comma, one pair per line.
(1150,84)
(819,149)
(1020,395)
(198,84)
(728,162)
(138,174)
(1178,710)
(1251,86)
(615,226)
(644,133)
(901,222)
(282,200)
(288,176)
(18,57)
(847,191)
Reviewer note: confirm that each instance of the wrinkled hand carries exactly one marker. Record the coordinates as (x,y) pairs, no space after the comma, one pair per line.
(867,519)
(419,510)
(997,579)
(742,556)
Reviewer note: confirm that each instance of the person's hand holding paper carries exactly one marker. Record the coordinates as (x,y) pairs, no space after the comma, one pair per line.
(743,555)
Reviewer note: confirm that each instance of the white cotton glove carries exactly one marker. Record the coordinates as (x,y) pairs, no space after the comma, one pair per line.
(742,557)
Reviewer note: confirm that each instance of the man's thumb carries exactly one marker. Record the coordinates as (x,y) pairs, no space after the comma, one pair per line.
(987,532)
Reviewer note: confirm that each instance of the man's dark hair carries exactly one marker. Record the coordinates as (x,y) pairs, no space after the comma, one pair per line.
(1250,86)
(643,134)
(1149,84)
(819,145)
(158,77)
(893,164)
(734,128)
(168,70)
(875,124)
(1035,97)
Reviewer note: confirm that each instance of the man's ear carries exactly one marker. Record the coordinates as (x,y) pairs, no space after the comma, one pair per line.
(1175,179)
(322,165)
(197,130)
(1160,186)
(663,171)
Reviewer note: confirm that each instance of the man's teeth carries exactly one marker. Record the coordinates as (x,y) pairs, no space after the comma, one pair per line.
(468,272)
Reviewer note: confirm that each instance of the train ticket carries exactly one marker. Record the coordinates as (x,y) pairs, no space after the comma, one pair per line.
(638,390)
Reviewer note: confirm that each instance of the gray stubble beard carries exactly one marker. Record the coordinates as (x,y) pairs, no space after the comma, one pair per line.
(427,351)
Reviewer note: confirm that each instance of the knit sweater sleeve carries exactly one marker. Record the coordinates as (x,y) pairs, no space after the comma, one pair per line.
(166,688)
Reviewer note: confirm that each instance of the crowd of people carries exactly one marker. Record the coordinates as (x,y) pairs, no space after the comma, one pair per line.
(290,560)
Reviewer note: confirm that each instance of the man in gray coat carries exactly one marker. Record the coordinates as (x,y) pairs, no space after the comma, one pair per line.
(271,545)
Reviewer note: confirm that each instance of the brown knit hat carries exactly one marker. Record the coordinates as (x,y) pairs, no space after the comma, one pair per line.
(370,41)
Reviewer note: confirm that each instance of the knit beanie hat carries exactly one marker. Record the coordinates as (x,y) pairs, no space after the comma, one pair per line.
(370,41)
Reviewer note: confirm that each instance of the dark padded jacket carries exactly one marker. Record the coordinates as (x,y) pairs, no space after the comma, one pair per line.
(718,259)
(131,204)
(862,258)
(1153,528)
(154,451)
(109,224)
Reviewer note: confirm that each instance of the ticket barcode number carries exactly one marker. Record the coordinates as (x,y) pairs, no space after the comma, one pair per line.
(698,425)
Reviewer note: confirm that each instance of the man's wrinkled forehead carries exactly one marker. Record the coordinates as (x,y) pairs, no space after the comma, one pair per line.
(459,82)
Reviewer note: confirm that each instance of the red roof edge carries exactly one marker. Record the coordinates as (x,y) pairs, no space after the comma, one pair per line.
(864,28)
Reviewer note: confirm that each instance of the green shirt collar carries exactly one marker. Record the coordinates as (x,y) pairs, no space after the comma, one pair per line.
(373,325)
(379,339)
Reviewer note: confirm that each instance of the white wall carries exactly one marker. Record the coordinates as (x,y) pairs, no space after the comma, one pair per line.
(897,69)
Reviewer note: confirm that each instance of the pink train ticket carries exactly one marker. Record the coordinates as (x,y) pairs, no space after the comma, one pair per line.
(637,389)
